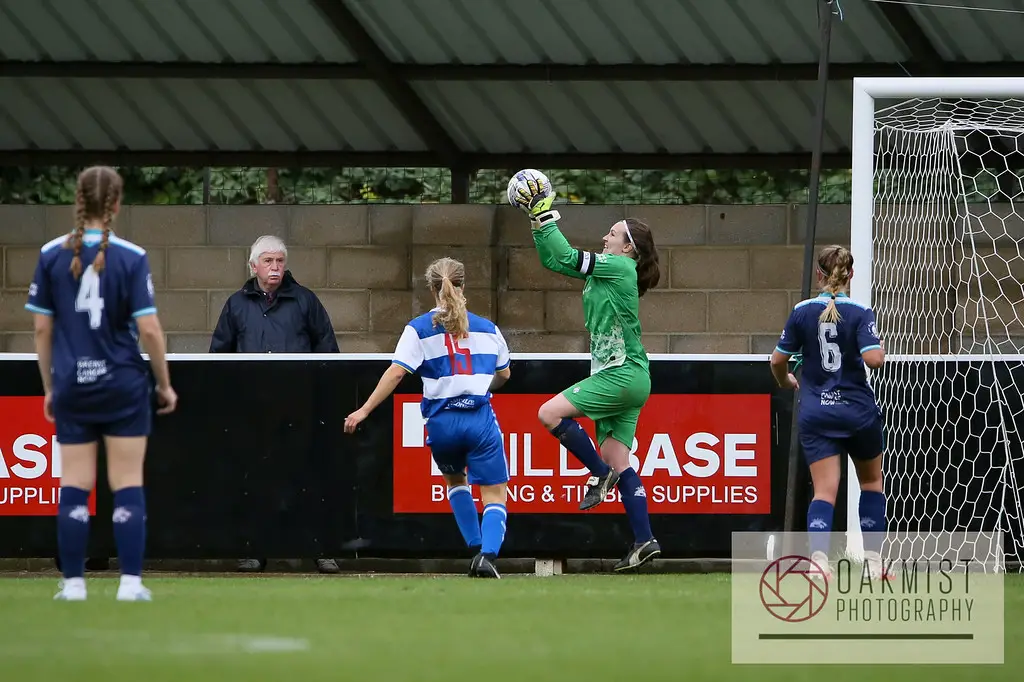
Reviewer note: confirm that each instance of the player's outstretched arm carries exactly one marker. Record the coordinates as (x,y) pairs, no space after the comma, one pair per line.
(407,359)
(530,191)
(556,254)
(389,381)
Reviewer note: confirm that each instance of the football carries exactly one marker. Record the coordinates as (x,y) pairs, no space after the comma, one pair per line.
(519,186)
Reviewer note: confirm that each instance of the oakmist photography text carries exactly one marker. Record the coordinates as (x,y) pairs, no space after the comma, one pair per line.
(918,598)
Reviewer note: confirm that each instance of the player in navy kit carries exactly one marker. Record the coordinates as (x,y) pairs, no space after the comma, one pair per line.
(838,411)
(461,358)
(92,299)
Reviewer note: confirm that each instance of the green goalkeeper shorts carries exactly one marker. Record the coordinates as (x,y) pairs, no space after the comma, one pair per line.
(612,398)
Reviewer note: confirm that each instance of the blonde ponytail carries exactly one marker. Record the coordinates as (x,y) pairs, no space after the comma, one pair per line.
(446,278)
(831,312)
(837,262)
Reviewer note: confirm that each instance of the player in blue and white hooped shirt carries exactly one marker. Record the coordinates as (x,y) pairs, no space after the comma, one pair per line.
(92,299)
(461,358)
(838,411)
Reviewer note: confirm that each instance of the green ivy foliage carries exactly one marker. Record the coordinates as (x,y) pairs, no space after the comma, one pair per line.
(167,185)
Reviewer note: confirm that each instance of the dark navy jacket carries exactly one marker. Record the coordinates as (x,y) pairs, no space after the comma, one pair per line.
(292,320)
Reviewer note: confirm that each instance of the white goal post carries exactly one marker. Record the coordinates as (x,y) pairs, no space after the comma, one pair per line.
(937,236)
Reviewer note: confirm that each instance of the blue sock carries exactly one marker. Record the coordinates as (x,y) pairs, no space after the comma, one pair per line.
(130,529)
(576,441)
(634,499)
(819,525)
(461,499)
(493,529)
(872,519)
(73,531)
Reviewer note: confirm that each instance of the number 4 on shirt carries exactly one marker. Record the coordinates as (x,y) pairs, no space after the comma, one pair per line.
(89,299)
(465,367)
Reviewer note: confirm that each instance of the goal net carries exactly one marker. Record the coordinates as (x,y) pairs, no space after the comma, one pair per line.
(940,252)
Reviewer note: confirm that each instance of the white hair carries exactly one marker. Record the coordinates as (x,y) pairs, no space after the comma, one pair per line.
(268,243)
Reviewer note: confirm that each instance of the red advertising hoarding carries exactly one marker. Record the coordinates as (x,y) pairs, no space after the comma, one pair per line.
(30,462)
(696,454)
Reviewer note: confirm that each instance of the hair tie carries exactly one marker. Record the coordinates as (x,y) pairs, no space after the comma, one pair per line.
(833,297)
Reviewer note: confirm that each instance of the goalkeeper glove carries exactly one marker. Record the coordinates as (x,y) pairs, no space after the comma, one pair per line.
(535,199)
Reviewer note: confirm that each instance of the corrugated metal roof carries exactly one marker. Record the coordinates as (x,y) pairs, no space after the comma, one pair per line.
(616,32)
(483,116)
(978,36)
(492,31)
(55,113)
(52,113)
(289,31)
(636,117)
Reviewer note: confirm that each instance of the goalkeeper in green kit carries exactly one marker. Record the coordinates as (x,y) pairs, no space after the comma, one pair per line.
(620,381)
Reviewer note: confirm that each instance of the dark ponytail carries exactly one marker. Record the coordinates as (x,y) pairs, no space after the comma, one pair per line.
(648,272)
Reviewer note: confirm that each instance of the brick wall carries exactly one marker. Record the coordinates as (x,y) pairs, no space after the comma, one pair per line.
(730,274)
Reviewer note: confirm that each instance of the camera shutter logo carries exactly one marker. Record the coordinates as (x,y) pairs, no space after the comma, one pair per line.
(793,589)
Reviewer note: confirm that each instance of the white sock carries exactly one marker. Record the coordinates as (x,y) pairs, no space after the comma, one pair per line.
(131,582)
(74,584)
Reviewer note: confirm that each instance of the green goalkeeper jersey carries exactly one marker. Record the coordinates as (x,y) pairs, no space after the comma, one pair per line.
(611,302)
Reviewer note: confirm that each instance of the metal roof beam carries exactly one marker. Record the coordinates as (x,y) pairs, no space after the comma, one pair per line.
(397,89)
(913,36)
(332,158)
(498,72)
(390,159)
(184,70)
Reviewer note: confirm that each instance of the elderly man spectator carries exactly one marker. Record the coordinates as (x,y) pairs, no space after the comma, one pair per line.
(273,313)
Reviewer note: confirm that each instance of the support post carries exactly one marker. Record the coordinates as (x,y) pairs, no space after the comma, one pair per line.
(460,185)
(795,481)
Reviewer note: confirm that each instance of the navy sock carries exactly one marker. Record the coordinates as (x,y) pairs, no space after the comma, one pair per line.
(819,525)
(130,529)
(576,441)
(634,499)
(73,531)
(872,519)
(461,499)
(493,526)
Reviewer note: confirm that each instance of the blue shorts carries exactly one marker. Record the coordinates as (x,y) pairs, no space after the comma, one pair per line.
(76,431)
(461,439)
(866,443)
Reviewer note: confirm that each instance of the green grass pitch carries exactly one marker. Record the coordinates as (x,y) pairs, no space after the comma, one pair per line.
(391,628)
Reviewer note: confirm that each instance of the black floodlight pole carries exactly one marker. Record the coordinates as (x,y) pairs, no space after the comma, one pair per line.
(796,480)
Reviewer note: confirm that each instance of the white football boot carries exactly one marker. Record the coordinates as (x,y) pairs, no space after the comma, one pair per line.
(72,589)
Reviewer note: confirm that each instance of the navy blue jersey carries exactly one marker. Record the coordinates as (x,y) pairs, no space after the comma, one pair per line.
(98,371)
(835,397)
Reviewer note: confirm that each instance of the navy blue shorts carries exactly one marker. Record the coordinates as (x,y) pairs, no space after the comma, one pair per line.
(866,443)
(461,439)
(75,431)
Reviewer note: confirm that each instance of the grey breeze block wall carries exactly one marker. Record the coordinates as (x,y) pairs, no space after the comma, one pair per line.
(730,274)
